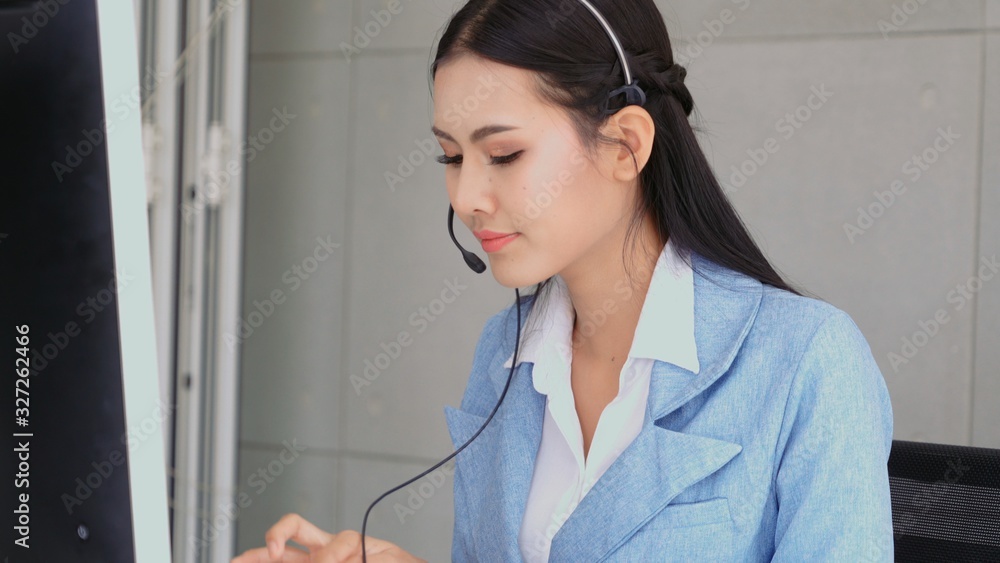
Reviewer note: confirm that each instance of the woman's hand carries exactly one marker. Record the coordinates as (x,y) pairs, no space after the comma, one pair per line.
(323,547)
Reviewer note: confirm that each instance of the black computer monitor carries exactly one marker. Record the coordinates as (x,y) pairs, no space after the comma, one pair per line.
(83,463)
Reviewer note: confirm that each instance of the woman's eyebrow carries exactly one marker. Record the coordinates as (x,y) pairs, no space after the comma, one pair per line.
(477,135)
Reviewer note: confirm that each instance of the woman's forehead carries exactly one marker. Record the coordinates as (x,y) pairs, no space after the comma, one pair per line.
(471,93)
(475,82)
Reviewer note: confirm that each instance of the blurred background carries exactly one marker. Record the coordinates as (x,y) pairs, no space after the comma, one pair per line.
(298,231)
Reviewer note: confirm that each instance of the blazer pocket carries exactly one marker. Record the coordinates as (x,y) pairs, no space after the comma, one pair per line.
(681,533)
(712,511)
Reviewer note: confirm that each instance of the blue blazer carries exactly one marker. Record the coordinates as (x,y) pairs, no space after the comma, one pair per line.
(776,450)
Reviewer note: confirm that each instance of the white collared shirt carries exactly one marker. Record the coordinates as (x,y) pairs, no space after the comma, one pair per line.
(561,478)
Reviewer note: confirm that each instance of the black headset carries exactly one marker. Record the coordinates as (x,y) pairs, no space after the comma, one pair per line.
(634,95)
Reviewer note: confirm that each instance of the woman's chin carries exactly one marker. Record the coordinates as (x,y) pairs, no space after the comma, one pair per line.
(511,275)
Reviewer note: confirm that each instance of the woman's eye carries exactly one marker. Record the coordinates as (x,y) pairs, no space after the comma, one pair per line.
(496,160)
(505,160)
(445,159)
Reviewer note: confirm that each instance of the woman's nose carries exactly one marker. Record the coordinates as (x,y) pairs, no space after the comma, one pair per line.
(473,191)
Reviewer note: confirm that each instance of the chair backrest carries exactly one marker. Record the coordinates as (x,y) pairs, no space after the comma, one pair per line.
(945,502)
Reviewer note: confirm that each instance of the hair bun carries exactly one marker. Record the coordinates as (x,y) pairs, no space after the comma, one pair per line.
(670,81)
(681,72)
(666,79)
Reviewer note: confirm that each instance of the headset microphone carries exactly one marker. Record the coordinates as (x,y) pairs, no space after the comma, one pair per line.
(479,267)
(471,259)
(634,95)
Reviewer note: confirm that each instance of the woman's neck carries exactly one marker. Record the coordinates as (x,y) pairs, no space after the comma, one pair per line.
(606,302)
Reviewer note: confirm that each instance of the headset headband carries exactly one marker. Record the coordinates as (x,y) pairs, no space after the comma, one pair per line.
(633,93)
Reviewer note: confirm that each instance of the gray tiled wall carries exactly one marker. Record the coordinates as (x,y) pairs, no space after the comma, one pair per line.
(324,176)
(986,380)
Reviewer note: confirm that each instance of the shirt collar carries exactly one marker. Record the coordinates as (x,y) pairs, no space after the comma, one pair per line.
(665,330)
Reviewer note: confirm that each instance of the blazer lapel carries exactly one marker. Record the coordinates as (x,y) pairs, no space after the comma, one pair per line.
(660,463)
(652,470)
(657,466)
(497,466)
(725,306)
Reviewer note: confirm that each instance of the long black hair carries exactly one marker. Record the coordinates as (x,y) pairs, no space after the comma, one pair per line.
(576,67)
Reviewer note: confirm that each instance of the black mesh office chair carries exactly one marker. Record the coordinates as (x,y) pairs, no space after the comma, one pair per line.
(945,502)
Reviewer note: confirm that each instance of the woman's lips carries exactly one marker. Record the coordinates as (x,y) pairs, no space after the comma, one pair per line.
(493,242)
(486,233)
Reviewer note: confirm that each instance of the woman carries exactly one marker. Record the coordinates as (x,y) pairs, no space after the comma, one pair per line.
(673,399)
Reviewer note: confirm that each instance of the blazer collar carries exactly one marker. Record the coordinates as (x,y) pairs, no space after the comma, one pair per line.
(657,466)
(725,305)
(665,329)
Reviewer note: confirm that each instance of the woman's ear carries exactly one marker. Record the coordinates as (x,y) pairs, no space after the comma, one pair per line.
(635,127)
